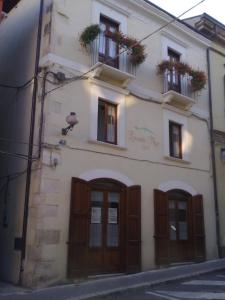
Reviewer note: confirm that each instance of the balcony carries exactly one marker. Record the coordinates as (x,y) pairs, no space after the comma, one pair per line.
(177,90)
(181,83)
(108,65)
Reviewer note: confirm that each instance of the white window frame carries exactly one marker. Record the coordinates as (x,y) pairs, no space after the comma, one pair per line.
(99,9)
(115,98)
(168,43)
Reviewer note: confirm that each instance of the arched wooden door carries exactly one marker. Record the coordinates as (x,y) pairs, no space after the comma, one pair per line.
(179,227)
(105,228)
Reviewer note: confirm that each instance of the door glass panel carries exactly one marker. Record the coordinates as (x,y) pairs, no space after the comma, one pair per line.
(172,220)
(95,239)
(112,224)
(182,220)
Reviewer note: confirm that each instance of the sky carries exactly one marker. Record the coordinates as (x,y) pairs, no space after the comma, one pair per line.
(214,8)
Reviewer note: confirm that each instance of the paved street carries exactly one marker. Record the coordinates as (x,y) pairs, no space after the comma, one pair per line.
(210,286)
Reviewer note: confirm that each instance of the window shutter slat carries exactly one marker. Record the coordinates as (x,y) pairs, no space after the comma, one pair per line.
(78,233)
(133,229)
(161,227)
(198,232)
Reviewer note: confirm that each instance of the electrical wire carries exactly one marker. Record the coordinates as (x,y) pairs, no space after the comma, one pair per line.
(16,142)
(132,158)
(18,155)
(17,87)
(125,50)
(14,176)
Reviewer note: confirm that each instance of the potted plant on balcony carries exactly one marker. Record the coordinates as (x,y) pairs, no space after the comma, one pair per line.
(89,34)
(198,80)
(135,50)
(133,47)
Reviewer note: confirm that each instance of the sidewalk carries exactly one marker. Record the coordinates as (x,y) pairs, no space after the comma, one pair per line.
(7,289)
(100,287)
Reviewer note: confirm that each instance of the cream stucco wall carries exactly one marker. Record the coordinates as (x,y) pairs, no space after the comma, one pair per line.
(140,157)
(141,162)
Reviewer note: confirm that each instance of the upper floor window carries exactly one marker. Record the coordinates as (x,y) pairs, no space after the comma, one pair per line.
(108,49)
(107,122)
(174,82)
(175,139)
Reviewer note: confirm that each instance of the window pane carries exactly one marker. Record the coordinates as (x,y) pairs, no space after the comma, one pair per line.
(101,121)
(112,235)
(183,231)
(175,139)
(174,77)
(106,122)
(112,224)
(96,219)
(176,142)
(102,39)
(112,44)
(173,235)
(95,235)
(111,124)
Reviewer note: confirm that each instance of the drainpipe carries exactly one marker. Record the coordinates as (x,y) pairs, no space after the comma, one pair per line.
(31,139)
(213,154)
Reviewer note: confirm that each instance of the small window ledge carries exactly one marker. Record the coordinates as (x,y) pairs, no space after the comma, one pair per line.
(178,100)
(108,73)
(118,147)
(179,160)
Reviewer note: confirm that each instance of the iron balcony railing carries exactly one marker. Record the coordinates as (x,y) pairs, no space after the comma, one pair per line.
(123,61)
(178,83)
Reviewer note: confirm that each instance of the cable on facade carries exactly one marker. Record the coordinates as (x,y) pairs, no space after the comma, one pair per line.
(131,158)
(14,141)
(11,177)
(18,155)
(72,79)
(17,87)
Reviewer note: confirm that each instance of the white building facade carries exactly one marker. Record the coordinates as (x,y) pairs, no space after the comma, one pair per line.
(129,188)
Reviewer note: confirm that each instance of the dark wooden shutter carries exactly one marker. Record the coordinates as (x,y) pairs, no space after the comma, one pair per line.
(78,231)
(161,210)
(198,232)
(133,229)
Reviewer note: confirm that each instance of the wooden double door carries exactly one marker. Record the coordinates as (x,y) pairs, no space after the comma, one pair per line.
(179,227)
(105,228)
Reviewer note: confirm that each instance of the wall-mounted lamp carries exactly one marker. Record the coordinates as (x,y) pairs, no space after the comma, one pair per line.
(72,121)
